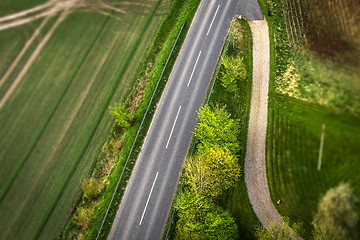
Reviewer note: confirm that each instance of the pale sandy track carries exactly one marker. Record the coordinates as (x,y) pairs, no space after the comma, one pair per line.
(255,163)
(53,7)
(26,12)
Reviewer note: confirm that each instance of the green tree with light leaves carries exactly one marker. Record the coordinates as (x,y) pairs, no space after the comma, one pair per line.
(234,70)
(200,218)
(212,171)
(216,128)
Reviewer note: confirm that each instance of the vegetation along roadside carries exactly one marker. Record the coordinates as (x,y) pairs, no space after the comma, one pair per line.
(227,114)
(86,220)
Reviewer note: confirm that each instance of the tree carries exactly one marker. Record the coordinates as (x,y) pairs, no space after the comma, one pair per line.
(200,218)
(122,116)
(234,69)
(217,128)
(212,171)
(336,217)
(91,188)
(235,33)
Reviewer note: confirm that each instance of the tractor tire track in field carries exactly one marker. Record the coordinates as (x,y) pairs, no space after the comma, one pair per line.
(64,132)
(53,7)
(31,59)
(62,94)
(26,12)
(255,162)
(23,51)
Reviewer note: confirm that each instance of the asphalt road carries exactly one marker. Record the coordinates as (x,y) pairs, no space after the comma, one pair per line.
(150,191)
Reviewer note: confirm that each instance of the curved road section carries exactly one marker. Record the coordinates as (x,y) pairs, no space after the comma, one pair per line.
(150,191)
(255,164)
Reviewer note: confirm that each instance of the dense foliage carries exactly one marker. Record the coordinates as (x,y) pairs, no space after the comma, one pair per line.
(200,218)
(234,69)
(216,127)
(212,171)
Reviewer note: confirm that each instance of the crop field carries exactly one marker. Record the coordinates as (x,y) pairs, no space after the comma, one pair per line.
(315,80)
(58,75)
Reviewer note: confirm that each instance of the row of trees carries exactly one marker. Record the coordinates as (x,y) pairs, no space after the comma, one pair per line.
(211,171)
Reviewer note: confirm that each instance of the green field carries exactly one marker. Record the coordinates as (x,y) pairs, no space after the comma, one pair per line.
(314,81)
(55,121)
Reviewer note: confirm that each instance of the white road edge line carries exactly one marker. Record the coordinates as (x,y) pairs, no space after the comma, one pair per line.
(147,202)
(194,69)
(213,20)
(177,115)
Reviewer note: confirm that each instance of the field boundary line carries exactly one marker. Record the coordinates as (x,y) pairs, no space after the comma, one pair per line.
(138,132)
(50,210)
(31,59)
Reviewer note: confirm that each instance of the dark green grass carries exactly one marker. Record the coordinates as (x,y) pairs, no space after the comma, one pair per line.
(52,184)
(294,131)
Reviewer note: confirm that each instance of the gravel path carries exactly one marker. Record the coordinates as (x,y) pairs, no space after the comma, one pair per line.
(255,164)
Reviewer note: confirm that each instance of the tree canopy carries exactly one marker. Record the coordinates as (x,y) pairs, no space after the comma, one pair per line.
(217,128)
(336,217)
(200,218)
(212,171)
(234,70)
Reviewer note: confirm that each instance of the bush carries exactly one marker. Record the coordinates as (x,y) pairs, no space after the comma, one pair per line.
(122,116)
(91,188)
(234,70)
(212,172)
(200,218)
(83,217)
